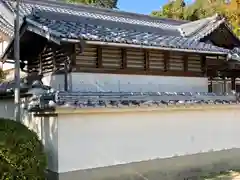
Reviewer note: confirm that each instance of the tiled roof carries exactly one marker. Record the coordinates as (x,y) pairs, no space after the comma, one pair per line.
(161,25)
(43,98)
(97,24)
(74,100)
(6,20)
(5,27)
(27,6)
(71,27)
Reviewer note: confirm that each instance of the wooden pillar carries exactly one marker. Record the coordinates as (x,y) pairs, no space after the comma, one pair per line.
(146,60)
(54,49)
(233,83)
(204,65)
(40,64)
(224,85)
(166,61)
(73,55)
(124,59)
(99,57)
(185,63)
(210,86)
(65,75)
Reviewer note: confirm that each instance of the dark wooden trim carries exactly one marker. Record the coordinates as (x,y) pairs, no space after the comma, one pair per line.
(45,115)
(73,55)
(54,58)
(138,72)
(204,65)
(124,58)
(65,76)
(210,86)
(99,57)
(166,61)
(40,64)
(146,60)
(233,83)
(185,63)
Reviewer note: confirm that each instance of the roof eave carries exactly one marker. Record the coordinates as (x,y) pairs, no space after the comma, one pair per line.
(49,36)
(144,47)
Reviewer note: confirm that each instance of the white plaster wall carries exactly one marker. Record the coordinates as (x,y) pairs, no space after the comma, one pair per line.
(55,81)
(116,82)
(11,74)
(3,46)
(97,140)
(46,129)
(7,109)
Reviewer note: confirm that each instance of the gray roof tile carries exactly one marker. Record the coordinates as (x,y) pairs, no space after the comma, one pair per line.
(5,26)
(98,32)
(197,29)
(71,21)
(124,99)
(26,8)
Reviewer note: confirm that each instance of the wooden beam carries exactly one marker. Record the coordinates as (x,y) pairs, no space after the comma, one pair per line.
(146,60)
(99,57)
(185,63)
(124,58)
(166,61)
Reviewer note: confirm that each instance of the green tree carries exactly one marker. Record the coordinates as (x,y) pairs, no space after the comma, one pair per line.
(173,9)
(21,152)
(102,3)
(201,9)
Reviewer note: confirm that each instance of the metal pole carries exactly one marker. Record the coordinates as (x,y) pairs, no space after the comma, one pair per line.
(17,63)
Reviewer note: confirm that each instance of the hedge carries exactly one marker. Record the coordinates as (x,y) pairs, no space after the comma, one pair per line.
(22,155)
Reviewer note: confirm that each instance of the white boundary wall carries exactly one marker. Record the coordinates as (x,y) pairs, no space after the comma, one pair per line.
(104,139)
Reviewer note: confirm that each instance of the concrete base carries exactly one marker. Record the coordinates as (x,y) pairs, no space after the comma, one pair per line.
(176,168)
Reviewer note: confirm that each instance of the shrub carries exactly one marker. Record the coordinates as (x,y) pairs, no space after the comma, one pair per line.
(21,152)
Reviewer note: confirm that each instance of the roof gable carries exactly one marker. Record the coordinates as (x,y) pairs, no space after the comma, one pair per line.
(202,28)
(195,27)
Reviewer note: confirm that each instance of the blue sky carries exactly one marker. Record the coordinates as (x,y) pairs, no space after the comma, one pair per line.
(146,7)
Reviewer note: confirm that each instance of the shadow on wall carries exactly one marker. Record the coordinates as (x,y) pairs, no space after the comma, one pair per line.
(46,128)
(190,167)
(195,171)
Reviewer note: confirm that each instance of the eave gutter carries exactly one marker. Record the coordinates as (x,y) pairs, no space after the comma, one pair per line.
(142,46)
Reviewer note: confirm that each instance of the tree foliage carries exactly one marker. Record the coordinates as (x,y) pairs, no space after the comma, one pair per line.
(101,3)
(21,153)
(200,9)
